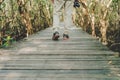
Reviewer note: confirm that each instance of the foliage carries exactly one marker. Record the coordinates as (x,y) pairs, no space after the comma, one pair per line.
(15,25)
(103,20)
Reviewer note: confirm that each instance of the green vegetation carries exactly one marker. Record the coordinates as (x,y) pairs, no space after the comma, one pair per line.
(101,19)
(20,18)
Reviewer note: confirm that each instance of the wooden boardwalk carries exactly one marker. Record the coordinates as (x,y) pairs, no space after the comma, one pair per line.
(39,58)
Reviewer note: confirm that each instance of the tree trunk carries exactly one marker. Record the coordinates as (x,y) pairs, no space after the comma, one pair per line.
(93,24)
(104,23)
(85,14)
(25,16)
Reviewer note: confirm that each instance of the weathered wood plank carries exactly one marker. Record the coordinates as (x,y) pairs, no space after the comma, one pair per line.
(37,57)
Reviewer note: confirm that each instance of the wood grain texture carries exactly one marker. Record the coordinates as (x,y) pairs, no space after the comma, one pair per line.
(37,57)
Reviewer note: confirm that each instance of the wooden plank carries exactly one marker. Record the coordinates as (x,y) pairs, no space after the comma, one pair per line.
(37,57)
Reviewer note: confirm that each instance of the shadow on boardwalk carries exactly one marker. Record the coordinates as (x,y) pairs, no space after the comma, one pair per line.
(39,58)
